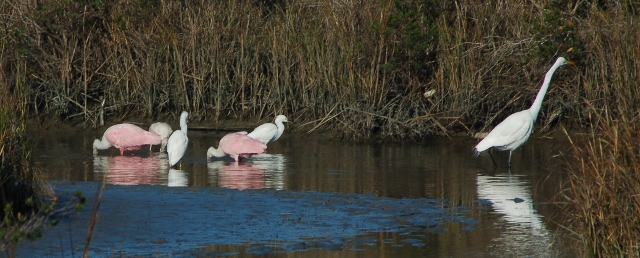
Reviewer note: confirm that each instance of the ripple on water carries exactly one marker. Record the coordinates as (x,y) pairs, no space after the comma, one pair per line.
(132,218)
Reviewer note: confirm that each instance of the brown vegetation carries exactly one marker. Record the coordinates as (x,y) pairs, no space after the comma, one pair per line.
(360,66)
(20,190)
(27,201)
(604,210)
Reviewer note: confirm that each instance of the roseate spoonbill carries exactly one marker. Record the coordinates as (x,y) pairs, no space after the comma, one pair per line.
(178,141)
(125,137)
(163,130)
(516,128)
(237,145)
(269,132)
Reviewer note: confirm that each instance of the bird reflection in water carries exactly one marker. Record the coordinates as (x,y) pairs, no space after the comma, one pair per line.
(133,170)
(177,178)
(263,171)
(510,195)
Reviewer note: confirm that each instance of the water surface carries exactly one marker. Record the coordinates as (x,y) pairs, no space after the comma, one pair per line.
(312,195)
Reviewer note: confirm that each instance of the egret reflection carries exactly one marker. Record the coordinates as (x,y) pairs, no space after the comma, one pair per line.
(523,224)
(262,171)
(177,178)
(132,170)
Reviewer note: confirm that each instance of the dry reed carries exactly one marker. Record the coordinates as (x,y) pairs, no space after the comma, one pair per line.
(386,68)
(604,210)
(602,186)
(362,67)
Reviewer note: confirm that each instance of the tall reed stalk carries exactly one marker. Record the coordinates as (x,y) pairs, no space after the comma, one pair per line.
(22,194)
(602,186)
(386,68)
(604,208)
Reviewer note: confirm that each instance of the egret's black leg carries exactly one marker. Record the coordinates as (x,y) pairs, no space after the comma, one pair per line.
(494,161)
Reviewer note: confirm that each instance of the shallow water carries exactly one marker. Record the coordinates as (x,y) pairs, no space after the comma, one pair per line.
(307,195)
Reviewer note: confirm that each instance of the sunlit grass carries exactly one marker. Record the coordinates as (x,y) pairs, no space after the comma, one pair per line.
(361,67)
(603,190)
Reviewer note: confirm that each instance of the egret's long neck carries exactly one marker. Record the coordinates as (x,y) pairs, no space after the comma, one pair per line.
(280,126)
(537,103)
(213,152)
(183,126)
(101,145)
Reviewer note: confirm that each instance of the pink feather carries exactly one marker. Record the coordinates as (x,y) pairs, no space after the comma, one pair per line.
(239,145)
(130,137)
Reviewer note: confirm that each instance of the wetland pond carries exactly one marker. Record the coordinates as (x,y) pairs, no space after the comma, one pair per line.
(308,196)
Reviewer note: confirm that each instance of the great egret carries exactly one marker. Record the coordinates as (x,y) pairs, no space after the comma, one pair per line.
(125,137)
(237,145)
(178,141)
(163,130)
(269,132)
(516,128)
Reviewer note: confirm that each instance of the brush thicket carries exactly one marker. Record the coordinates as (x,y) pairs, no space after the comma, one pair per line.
(604,208)
(372,68)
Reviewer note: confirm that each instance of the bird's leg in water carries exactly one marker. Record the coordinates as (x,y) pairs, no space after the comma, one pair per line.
(510,159)
(121,152)
(494,161)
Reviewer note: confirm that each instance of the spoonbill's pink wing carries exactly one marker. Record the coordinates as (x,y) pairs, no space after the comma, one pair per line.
(131,136)
(239,143)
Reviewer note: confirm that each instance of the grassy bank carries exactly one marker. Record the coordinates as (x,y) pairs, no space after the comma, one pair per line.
(361,67)
(603,191)
(22,195)
(391,69)
(27,201)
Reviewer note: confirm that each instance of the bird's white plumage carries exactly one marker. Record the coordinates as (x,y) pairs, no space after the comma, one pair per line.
(163,130)
(516,128)
(509,134)
(269,132)
(178,141)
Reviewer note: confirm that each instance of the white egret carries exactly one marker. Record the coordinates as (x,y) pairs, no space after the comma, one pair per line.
(163,130)
(516,128)
(269,132)
(178,141)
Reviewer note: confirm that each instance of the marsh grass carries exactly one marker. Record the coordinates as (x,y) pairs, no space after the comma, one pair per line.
(361,67)
(27,201)
(603,190)
(20,190)
(602,186)
(389,68)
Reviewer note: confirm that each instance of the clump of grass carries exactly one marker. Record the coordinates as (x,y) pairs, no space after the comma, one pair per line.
(602,187)
(362,67)
(27,201)
(603,190)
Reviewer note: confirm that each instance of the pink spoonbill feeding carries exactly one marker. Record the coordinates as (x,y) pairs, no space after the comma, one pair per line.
(164,131)
(237,145)
(125,137)
(269,132)
(178,141)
